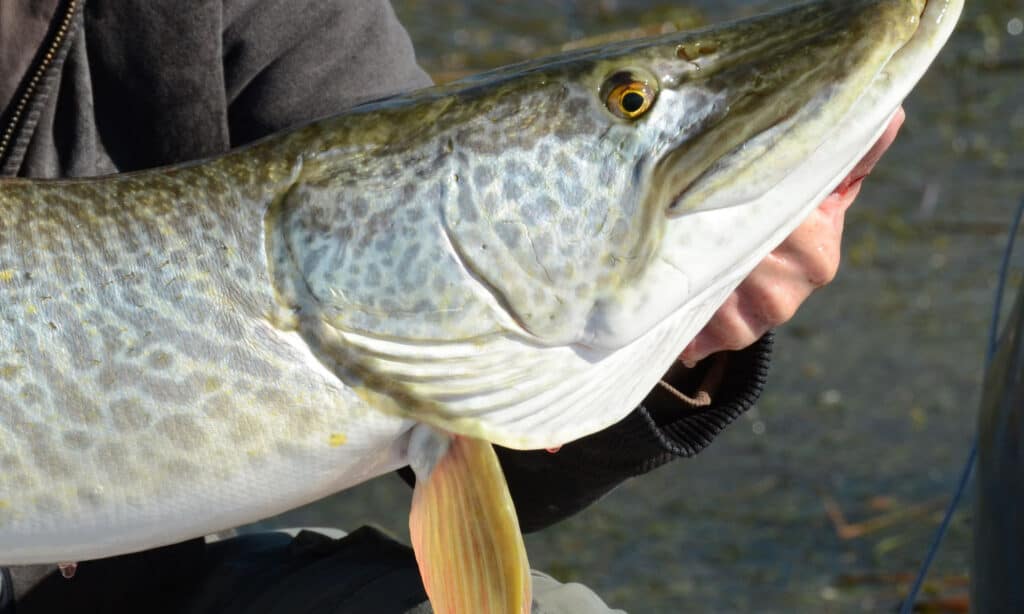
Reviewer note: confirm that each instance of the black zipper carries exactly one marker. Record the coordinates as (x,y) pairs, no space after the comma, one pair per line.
(21,106)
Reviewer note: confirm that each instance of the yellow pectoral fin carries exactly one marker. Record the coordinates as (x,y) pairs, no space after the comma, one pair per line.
(466,535)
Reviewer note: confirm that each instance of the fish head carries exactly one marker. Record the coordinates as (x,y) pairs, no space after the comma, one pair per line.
(554,233)
(610,188)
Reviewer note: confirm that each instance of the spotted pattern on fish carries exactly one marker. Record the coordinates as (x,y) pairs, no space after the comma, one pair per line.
(137,366)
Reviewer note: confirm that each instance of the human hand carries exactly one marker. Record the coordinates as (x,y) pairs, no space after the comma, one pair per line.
(804,262)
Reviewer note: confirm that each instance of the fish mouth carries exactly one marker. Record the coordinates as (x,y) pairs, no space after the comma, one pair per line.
(797,131)
(804,157)
(853,182)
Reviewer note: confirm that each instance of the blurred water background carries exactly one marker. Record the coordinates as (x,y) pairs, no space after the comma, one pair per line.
(823,498)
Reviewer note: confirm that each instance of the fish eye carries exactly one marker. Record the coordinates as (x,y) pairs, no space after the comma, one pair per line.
(629,94)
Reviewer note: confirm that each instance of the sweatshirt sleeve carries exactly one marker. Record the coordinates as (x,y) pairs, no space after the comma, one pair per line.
(288,62)
(678,419)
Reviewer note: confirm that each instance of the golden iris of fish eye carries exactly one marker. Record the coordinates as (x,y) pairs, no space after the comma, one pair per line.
(629,94)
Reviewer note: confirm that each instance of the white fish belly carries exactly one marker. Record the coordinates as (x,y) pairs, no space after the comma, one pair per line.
(157,491)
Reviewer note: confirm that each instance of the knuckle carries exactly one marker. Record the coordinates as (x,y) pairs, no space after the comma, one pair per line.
(768,303)
(776,305)
(734,330)
(823,268)
(779,309)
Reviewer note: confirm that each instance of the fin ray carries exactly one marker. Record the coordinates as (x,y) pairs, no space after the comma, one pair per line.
(466,535)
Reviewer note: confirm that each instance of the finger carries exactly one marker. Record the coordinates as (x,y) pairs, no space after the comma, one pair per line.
(808,259)
(771,295)
(868,162)
(768,297)
(725,328)
(816,244)
(814,248)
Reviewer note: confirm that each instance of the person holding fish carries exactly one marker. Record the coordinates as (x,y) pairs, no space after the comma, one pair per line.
(90,88)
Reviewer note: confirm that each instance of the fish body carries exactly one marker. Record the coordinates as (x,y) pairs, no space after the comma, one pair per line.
(145,365)
(514,258)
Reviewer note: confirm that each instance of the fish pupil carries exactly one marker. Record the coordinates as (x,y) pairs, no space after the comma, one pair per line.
(632,102)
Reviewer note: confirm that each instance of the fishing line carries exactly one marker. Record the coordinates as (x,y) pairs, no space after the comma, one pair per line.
(965,475)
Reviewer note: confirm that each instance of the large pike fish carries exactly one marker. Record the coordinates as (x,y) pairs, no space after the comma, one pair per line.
(512,259)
